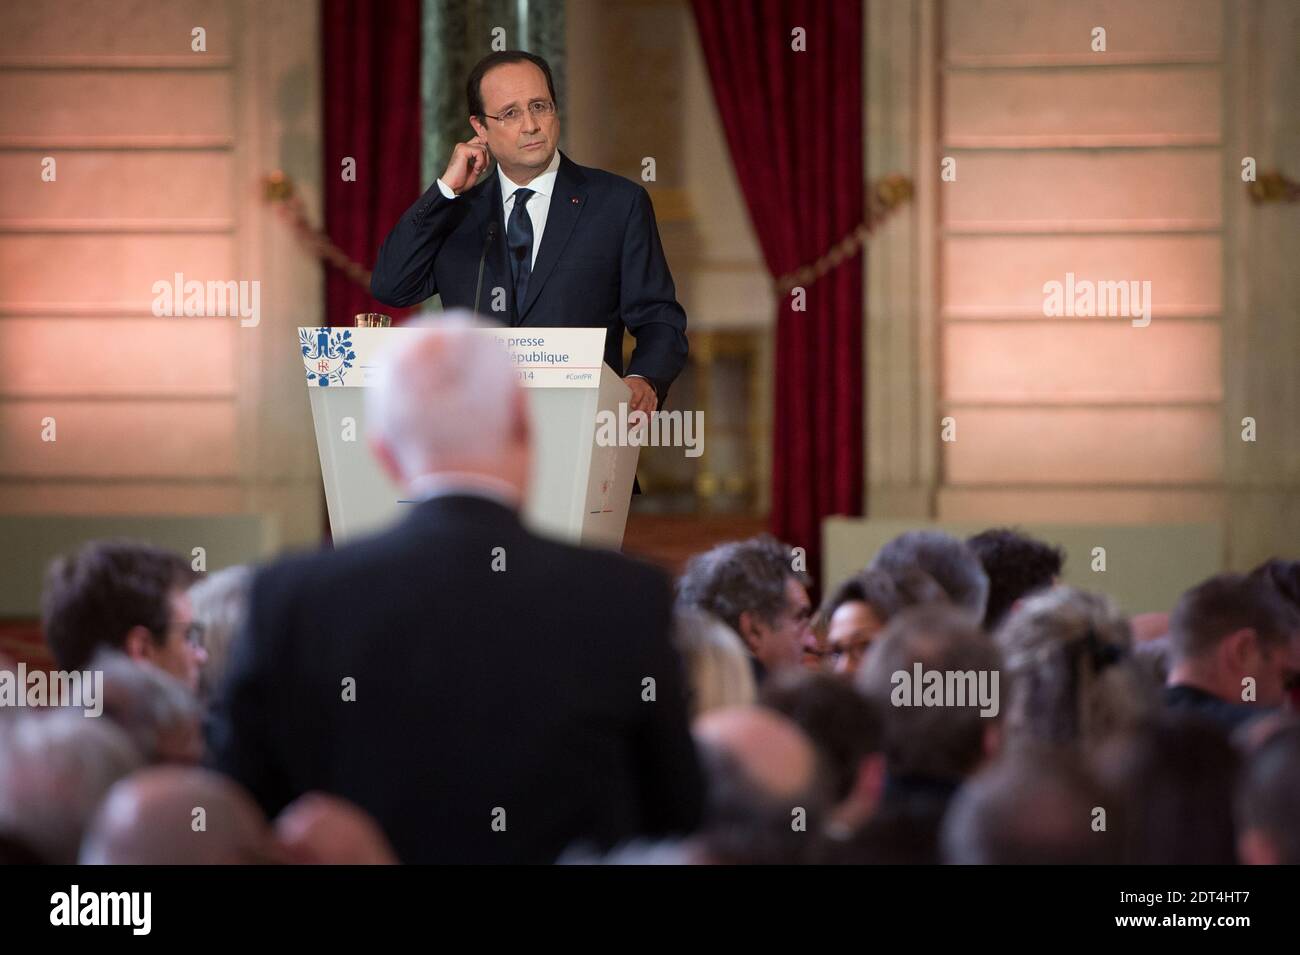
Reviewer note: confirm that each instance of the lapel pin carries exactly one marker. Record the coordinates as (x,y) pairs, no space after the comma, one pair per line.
(574,200)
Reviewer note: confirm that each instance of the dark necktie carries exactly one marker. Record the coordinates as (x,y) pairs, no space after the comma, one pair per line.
(519,237)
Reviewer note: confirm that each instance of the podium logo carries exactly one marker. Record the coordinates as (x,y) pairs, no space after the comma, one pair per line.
(194,299)
(659,429)
(327,354)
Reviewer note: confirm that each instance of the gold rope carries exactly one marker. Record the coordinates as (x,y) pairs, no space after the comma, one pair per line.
(884,198)
(1273,186)
(277,188)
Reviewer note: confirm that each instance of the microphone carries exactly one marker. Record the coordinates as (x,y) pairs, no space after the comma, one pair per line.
(478,283)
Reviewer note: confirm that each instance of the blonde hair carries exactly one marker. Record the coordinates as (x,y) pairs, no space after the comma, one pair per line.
(717,666)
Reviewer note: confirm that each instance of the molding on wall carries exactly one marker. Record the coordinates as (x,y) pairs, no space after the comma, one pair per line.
(901,348)
(127,141)
(117,63)
(1073,61)
(1261,287)
(115,226)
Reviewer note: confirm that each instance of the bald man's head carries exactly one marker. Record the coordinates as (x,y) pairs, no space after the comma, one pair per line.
(445,399)
(767,795)
(177,816)
(771,750)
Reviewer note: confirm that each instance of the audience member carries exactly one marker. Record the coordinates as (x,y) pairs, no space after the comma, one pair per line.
(319,829)
(753,588)
(1070,676)
(487,695)
(1173,779)
(1033,806)
(848,733)
(1234,648)
(855,613)
(218,602)
(171,815)
(1151,644)
(767,798)
(1068,734)
(931,745)
(717,668)
(948,561)
(125,596)
(55,767)
(1268,804)
(1016,565)
(160,715)
(1284,577)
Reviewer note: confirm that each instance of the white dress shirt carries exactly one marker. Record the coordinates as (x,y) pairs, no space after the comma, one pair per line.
(538,205)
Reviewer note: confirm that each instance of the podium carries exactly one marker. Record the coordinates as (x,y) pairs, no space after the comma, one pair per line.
(580,486)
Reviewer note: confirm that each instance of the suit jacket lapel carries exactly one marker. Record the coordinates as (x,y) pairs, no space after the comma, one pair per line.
(496,269)
(567,199)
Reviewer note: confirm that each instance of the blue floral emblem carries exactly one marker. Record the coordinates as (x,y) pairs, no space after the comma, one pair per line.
(326,354)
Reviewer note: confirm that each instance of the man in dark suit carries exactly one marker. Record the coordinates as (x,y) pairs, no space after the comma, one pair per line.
(487,695)
(561,244)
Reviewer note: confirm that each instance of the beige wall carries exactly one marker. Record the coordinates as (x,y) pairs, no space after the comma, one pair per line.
(1103,164)
(1122,165)
(159,152)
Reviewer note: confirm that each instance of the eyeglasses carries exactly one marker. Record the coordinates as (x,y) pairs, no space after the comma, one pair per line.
(514,115)
(194,634)
(854,651)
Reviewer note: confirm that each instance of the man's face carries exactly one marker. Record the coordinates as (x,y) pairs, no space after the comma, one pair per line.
(852,628)
(1277,669)
(179,654)
(815,648)
(526,145)
(781,642)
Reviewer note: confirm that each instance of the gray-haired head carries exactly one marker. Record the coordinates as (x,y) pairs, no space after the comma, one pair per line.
(943,557)
(55,767)
(752,586)
(446,398)
(159,713)
(738,577)
(218,602)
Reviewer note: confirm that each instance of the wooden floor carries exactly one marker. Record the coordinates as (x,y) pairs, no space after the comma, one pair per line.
(669,540)
(21,642)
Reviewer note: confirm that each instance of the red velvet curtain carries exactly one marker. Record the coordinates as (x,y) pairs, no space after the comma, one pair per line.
(372,113)
(794,124)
